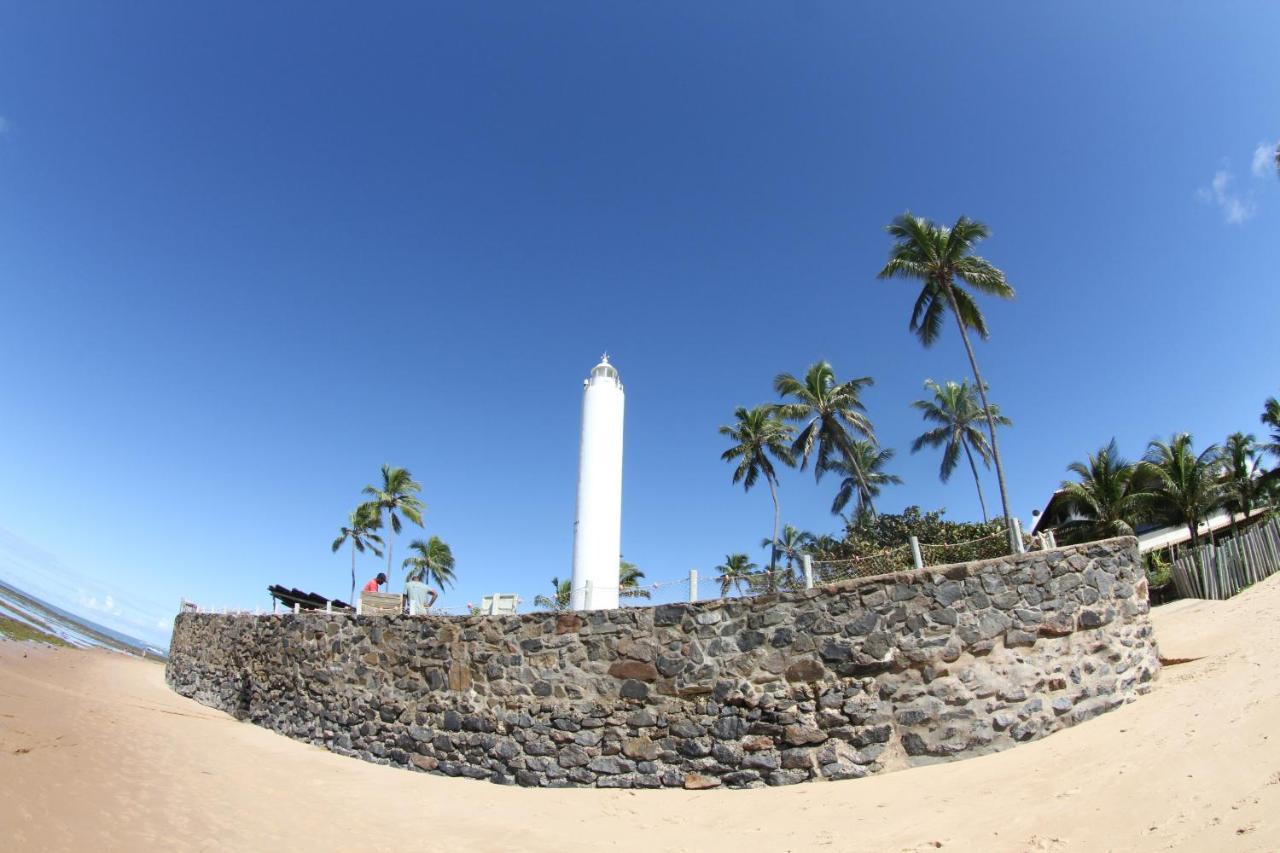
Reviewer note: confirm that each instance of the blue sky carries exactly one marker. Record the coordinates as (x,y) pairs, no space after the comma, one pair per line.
(249,254)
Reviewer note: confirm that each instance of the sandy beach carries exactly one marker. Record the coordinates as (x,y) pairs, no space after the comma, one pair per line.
(97,753)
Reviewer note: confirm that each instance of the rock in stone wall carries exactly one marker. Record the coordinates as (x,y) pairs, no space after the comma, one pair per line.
(831,683)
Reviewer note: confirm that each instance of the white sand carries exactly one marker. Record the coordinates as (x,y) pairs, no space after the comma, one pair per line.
(96,753)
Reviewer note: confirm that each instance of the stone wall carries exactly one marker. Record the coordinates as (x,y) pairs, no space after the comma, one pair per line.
(831,683)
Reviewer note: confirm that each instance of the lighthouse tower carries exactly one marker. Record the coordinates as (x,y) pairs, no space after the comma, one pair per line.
(597,528)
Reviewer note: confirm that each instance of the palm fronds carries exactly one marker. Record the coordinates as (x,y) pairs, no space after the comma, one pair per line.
(958,418)
(629,577)
(433,562)
(1187,486)
(942,259)
(560,601)
(864,476)
(735,572)
(396,496)
(830,414)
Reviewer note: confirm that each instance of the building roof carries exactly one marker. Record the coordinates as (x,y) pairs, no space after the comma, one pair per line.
(1164,537)
(1055,503)
(1055,513)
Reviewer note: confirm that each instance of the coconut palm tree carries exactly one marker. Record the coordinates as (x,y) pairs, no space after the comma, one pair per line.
(820,544)
(863,476)
(1108,500)
(1270,485)
(942,259)
(734,572)
(831,413)
(396,497)
(957,415)
(559,603)
(1242,472)
(433,563)
(790,546)
(827,543)
(1271,418)
(758,434)
(1186,486)
(359,532)
(629,576)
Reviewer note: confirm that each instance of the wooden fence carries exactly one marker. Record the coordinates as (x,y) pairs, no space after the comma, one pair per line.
(1220,571)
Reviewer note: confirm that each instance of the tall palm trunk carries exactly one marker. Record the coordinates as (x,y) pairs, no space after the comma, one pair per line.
(1192,527)
(773,553)
(353,572)
(982,502)
(986,410)
(391,541)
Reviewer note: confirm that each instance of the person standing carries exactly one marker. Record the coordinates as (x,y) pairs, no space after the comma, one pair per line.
(374,583)
(418,596)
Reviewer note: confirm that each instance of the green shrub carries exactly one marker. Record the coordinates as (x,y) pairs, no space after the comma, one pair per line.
(1159,570)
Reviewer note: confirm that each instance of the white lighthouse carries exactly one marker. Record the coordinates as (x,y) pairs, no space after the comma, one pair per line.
(597,528)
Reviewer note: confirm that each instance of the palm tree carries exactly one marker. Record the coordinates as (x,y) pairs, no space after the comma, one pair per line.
(1187,487)
(734,572)
(433,563)
(1271,418)
(396,495)
(759,434)
(790,546)
(957,415)
(559,603)
(1109,498)
(819,544)
(1270,484)
(629,576)
(863,476)
(832,412)
(942,258)
(359,532)
(1241,473)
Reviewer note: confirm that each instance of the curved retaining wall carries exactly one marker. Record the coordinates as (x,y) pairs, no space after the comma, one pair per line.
(831,683)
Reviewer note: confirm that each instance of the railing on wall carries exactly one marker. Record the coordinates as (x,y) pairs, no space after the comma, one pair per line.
(801,572)
(805,571)
(1221,570)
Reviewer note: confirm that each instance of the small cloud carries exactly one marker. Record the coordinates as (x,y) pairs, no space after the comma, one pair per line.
(1235,207)
(107,605)
(1263,158)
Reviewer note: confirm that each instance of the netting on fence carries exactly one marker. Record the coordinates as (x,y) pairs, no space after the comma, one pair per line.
(992,545)
(888,561)
(708,585)
(702,586)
